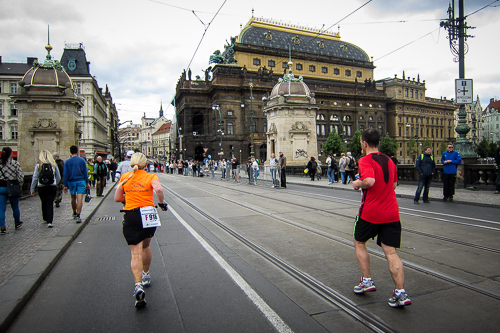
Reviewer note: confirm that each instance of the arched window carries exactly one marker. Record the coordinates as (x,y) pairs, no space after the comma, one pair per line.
(347,118)
(334,117)
(320,117)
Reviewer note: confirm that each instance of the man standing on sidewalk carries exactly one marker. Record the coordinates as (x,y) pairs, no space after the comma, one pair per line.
(76,180)
(426,168)
(236,169)
(450,160)
(378,216)
(282,163)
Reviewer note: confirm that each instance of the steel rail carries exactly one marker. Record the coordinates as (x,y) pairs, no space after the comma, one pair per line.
(367,319)
(408,264)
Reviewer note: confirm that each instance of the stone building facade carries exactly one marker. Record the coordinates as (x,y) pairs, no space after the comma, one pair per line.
(97,117)
(340,74)
(491,121)
(48,112)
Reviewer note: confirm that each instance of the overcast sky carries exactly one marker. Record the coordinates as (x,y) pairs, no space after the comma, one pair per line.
(140,47)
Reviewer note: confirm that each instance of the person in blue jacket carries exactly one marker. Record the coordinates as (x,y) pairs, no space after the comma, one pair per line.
(450,160)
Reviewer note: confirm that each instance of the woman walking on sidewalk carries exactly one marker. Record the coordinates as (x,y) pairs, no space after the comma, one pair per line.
(136,189)
(10,170)
(46,177)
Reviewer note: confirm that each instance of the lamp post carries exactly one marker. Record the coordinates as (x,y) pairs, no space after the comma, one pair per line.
(408,125)
(217,107)
(252,128)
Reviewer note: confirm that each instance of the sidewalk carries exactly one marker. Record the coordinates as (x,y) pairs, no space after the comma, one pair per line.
(28,254)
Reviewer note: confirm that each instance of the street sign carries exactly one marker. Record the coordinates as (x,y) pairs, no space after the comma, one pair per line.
(205,150)
(463,91)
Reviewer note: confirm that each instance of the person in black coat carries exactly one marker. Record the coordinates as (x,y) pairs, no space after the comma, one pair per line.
(311,167)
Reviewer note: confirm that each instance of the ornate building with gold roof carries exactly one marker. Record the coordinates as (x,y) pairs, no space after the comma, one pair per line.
(230,100)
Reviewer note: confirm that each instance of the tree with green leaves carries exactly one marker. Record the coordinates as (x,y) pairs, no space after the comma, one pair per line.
(442,148)
(388,145)
(412,147)
(355,145)
(483,149)
(493,148)
(333,144)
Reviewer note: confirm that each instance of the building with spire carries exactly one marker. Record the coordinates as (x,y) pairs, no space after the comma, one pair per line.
(97,117)
(230,100)
(149,126)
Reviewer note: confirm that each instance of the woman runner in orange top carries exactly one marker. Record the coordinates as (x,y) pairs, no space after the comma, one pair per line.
(136,189)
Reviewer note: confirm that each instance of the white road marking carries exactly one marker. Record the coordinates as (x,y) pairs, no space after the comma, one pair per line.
(266,310)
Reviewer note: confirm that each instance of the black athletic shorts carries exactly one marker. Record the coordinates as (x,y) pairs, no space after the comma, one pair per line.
(133,231)
(388,233)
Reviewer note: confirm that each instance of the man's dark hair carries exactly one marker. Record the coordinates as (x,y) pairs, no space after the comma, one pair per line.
(371,136)
(427,147)
(73,150)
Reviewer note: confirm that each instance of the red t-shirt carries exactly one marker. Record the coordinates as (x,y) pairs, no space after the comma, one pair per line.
(379,204)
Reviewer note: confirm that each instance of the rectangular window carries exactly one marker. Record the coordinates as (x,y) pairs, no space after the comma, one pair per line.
(230,128)
(359,74)
(284,64)
(312,68)
(1,133)
(411,93)
(1,110)
(400,131)
(229,113)
(336,71)
(78,88)
(361,127)
(252,127)
(265,127)
(13,130)
(324,70)
(406,92)
(347,72)
(13,109)
(256,62)
(13,88)
(298,67)
(323,130)
(271,63)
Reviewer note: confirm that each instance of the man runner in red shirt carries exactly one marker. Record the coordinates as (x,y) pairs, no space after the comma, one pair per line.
(378,216)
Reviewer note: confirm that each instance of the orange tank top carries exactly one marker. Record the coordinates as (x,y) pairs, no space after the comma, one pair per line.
(138,190)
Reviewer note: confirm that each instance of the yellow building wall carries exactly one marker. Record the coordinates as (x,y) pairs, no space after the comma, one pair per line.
(247,59)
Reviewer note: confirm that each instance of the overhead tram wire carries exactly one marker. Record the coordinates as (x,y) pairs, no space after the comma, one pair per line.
(399,48)
(202,37)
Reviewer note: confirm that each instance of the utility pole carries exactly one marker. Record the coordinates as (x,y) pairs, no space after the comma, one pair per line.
(252,127)
(457,31)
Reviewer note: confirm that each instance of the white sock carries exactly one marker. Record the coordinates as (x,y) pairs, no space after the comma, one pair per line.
(366,279)
(145,273)
(399,291)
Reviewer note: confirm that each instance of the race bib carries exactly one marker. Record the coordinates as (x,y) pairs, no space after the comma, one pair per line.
(150,217)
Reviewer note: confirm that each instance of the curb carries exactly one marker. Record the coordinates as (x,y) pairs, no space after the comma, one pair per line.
(18,291)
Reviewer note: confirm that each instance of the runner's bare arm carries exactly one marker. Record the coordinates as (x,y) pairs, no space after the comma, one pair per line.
(155,183)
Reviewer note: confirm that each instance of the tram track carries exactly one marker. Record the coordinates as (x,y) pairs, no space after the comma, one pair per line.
(416,232)
(365,318)
(349,243)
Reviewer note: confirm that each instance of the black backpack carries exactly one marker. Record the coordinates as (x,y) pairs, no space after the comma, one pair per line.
(352,163)
(46,174)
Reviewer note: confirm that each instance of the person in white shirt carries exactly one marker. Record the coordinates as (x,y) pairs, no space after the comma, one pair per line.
(273,162)
(124,167)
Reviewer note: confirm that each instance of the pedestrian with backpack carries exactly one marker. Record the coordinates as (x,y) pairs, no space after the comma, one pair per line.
(349,168)
(100,172)
(426,167)
(46,176)
(9,170)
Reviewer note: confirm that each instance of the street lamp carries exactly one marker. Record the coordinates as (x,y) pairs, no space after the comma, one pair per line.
(252,127)
(217,107)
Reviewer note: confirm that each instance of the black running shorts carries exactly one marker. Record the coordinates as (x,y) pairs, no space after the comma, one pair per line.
(388,233)
(133,231)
